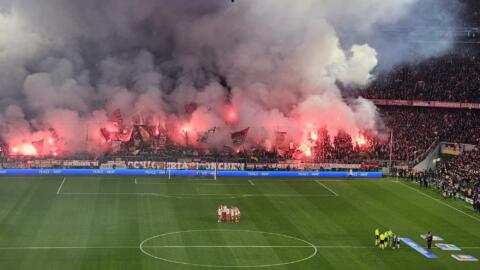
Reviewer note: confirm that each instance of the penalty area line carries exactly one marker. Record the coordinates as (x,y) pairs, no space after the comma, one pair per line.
(193,196)
(327,188)
(61,185)
(251,182)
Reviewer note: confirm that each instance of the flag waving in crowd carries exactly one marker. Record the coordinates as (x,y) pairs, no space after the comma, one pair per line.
(238,138)
(117,117)
(144,133)
(106,134)
(204,137)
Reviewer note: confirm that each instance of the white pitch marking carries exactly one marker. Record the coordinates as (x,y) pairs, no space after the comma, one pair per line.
(155,247)
(321,247)
(227,246)
(136,183)
(437,200)
(106,193)
(200,184)
(68,247)
(189,196)
(327,188)
(61,185)
(315,250)
(281,195)
(251,182)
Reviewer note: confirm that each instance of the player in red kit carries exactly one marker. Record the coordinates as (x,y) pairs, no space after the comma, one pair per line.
(238,215)
(219,214)
(229,215)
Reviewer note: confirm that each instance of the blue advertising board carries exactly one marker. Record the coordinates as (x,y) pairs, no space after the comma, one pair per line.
(418,248)
(304,174)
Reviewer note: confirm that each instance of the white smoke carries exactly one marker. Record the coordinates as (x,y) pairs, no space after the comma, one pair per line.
(68,64)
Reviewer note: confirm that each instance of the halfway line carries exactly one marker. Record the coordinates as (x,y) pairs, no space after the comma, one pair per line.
(154,247)
(68,247)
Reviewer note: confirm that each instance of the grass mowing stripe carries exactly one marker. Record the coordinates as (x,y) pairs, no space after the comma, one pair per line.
(439,201)
(103,232)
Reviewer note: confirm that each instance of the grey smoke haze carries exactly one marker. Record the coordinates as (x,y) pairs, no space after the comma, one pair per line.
(67,64)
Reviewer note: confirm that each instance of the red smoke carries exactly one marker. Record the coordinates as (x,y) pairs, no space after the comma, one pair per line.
(231,115)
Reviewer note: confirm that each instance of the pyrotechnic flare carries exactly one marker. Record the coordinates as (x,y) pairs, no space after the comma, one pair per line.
(92,74)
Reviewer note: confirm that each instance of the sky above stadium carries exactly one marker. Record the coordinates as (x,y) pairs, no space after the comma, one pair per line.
(271,65)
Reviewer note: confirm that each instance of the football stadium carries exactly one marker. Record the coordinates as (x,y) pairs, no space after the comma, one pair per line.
(248,134)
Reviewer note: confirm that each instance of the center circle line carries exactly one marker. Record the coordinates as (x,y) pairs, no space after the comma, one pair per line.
(142,247)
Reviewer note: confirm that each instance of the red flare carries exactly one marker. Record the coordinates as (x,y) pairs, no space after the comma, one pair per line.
(232,115)
(361,141)
(25,149)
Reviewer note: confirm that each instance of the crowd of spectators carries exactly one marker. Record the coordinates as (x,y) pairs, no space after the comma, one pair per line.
(453,77)
(413,130)
(416,129)
(462,172)
(455,178)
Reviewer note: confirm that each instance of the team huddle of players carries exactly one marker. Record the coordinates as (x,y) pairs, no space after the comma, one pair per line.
(386,239)
(227,214)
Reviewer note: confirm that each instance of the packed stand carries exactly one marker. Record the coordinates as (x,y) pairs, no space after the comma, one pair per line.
(455,178)
(460,177)
(413,131)
(416,129)
(453,77)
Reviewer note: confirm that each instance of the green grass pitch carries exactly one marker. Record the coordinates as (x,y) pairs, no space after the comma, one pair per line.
(114,222)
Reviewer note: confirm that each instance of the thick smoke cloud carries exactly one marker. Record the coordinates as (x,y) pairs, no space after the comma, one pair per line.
(68,65)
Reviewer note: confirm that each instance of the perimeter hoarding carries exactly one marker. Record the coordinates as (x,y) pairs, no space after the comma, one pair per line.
(304,174)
